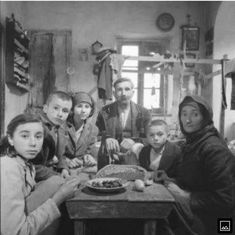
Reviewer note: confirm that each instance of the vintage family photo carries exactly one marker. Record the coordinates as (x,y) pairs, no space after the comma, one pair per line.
(117,117)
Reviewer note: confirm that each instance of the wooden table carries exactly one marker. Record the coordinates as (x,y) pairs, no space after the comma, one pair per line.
(154,203)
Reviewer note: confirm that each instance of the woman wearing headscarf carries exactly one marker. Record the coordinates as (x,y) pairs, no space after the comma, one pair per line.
(82,134)
(204,188)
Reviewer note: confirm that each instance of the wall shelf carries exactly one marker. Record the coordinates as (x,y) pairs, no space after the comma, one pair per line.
(17,55)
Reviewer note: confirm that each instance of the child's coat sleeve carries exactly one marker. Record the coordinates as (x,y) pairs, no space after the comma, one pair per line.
(14,221)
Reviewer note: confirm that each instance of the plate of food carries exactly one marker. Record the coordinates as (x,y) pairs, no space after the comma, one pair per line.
(107,184)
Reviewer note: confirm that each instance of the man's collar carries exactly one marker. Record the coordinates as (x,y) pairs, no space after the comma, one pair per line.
(120,110)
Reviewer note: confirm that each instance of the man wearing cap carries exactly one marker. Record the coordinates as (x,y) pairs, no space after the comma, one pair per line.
(121,123)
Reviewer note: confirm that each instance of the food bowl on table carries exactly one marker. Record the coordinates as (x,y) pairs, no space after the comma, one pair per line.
(107,184)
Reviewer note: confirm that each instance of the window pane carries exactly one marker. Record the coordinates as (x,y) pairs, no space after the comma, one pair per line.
(130,64)
(151,100)
(152,80)
(131,51)
(132,76)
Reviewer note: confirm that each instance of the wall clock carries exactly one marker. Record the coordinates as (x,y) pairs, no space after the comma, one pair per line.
(165,22)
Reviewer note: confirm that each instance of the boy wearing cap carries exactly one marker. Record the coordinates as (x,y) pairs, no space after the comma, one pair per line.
(82,133)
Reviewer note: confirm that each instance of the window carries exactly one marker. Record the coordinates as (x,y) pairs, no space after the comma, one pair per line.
(148,82)
(151,90)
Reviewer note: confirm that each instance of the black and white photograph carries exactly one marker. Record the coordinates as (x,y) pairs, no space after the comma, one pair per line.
(117,117)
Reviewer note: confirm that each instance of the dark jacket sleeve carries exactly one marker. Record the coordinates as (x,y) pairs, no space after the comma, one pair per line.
(61,148)
(41,161)
(144,157)
(177,158)
(43,172)
(62,163)
(100,123)
(218,196)
(91,149)
(142,122)
(147,117)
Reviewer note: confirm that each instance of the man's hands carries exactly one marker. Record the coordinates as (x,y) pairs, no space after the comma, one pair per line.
(136,149)
(126,144)
(112,145)
(124,150)
(74,163)
(88,161)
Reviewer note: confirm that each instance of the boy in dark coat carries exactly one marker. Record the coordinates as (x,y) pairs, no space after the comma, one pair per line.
(54,116)
(159,154)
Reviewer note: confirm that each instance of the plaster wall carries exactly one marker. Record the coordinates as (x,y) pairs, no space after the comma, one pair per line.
(104,21)
(210,13)
(224,44)
(15,101)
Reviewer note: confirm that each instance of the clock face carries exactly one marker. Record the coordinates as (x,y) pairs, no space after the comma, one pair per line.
(165,22)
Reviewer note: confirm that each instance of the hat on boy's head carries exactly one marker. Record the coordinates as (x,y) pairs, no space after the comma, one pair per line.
(82,97)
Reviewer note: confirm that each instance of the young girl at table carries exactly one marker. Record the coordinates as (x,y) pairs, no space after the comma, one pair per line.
(80,149)
(159,154)
(19,215)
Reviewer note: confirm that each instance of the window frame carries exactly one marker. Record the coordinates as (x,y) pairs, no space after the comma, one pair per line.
(163,82)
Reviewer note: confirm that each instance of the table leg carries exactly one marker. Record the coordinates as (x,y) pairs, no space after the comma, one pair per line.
(79,227)
(150,227)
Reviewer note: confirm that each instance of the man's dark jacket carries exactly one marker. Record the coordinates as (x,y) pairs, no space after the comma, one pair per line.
(108,121)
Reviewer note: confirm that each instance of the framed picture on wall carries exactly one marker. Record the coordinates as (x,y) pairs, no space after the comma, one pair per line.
(190,38)
(190,56)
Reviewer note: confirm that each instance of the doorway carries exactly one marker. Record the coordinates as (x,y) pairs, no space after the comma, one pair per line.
(49,59)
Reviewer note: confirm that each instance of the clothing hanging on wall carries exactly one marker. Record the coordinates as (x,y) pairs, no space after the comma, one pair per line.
(116,63)
(105,74)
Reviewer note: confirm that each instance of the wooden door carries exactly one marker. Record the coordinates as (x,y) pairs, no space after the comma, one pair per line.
(49,59)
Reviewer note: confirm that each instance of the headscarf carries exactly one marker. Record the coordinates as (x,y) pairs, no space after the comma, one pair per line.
(201,104)
(82,97)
